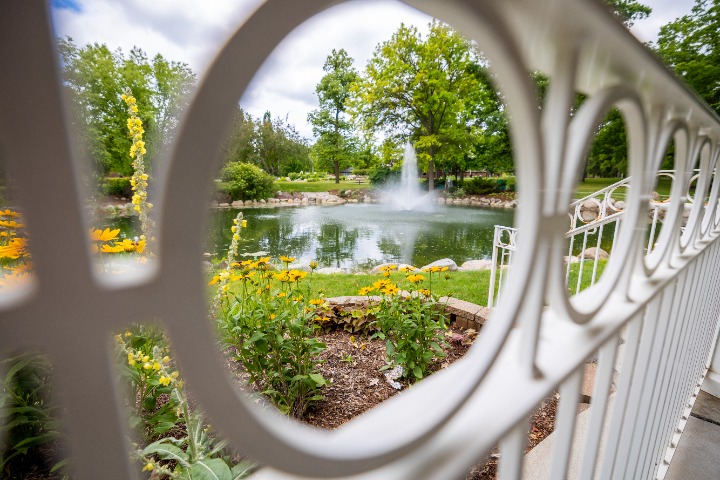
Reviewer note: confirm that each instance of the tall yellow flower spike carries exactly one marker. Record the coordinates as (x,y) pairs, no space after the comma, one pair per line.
(139,179)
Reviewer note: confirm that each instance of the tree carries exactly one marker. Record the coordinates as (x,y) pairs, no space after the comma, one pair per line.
(420,90)
(272,144)
(690,45)
(96,77)
(628,11)
(335,144)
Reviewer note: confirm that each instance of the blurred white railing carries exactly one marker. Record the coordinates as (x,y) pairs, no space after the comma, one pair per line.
(589,218)
(650,320)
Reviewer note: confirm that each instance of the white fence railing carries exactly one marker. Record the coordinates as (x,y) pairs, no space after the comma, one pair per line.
(589,219)
(650,320)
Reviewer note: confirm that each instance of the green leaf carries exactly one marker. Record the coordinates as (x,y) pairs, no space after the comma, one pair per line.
(210,469)
(318,379)
(242,470)
(166,451)
(417,372)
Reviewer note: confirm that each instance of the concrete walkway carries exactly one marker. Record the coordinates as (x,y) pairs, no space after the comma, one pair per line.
(697,456)
(698,452)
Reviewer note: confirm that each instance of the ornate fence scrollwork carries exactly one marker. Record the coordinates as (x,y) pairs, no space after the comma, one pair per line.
(663,307)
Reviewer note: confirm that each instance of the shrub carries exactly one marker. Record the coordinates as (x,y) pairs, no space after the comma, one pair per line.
(381,175)
(246,182)
(480,186)
(510,184)
(117,186)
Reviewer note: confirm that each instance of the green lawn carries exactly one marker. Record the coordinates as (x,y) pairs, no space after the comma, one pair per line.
(591,185)
(468,286)
(323,186)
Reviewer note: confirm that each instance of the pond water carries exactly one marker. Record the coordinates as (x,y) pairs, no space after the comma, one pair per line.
(356,236)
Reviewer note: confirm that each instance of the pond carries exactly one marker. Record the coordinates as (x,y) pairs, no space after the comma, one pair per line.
(357,236)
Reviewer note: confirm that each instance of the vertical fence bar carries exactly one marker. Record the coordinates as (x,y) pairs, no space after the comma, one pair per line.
(600,397)
(565,423)
(512,450)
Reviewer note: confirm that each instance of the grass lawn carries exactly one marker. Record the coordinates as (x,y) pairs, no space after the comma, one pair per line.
(323,186)
(591,185)
(468,286)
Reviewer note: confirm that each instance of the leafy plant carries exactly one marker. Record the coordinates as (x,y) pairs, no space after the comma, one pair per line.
(270,323)
(27,416)
(411,324)
(247,182)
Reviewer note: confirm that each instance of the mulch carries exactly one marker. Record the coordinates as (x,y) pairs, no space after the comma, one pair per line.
(357,385)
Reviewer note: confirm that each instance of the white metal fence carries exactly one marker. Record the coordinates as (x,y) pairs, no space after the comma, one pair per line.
(590,219)
(651,320)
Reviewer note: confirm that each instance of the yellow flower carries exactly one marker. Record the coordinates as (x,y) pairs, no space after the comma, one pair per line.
(163,380)
(365,290)
(166,359)
(244,223)
(134,108)
(147,366)
(313,264)
(390,290)
(131,359)
(146,358)
(287,259)
(424,291)
(233,229)
(175,374)
(156,366)
(415,278)
(128,333)
(317,301)
(148,467)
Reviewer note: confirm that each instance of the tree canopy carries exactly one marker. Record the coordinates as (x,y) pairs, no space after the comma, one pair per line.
(422,90)
(334,147)
(690,45)
(272,144)
(96,77)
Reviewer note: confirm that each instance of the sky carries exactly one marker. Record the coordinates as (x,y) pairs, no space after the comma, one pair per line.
(184,31)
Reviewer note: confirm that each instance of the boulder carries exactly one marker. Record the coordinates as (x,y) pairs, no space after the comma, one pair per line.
(593,252)
(472,265)
(329,270)
(571,259)
(443,262)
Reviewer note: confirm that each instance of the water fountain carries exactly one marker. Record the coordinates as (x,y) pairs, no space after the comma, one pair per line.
(407,195)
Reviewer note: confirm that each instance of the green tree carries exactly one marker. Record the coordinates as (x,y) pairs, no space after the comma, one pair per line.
(96,77)
(419,89)
(690,45)
(279,148)
(335,144)
(628,11)
(271,143)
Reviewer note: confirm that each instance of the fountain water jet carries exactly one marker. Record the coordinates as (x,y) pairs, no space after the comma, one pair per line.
(407,195)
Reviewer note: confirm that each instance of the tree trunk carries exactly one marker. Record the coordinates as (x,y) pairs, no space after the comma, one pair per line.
(337,171)
(431,175)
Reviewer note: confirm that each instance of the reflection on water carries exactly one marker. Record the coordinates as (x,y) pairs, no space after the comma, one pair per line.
(360,235)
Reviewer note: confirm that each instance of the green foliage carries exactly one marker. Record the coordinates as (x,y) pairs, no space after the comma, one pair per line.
(628,11)
(269,143)
(425,90)
(335,145)
(27,415)
(411,325)
(270,323)
(117,186)
(96,77)
(480,185)
(608,154)
(382,174)
(247,182)
(691,46)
